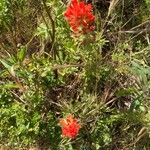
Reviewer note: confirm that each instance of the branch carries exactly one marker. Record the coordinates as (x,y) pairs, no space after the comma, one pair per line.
(135,31)
(52,23)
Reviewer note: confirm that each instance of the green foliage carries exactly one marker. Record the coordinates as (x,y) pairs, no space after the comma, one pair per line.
(47,72)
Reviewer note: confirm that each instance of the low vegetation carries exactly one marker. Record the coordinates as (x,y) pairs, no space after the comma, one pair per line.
(74,85)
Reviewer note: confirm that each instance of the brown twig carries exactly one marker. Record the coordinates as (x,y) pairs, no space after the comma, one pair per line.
(53,26)
(136,31)
(66,66)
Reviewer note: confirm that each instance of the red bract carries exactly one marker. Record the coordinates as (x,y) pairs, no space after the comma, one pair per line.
(70,127)
(80,17)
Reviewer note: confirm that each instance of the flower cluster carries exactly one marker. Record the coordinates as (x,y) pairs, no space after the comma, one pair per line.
(80,17)
(70,127)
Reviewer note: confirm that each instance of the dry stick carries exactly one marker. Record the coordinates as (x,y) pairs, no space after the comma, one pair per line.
(18,97)
(134,32)
(27,44)
(148,40)
(66,66)
(140,25)
(21,101)
(140,32)
(3,47)
(127,21)
(136,140)
(14,30)
(12,37)
(46,25)
(137,31)
(53,27)
(130,20)
(112,5)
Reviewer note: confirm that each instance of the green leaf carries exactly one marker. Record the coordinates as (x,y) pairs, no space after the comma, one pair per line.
(9,86)
(5,64)
(21,53)
(10,68)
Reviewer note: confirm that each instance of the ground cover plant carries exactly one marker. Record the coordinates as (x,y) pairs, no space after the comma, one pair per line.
(74,75)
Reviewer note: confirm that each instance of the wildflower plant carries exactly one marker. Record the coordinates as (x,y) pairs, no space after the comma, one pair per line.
(80,17)
(84,88)
(70,127)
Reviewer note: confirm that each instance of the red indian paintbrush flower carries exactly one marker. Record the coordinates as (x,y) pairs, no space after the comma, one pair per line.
(69,126)
(80,17)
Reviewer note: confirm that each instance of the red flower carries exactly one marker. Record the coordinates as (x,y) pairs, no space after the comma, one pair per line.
(80,17)
(70,127)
